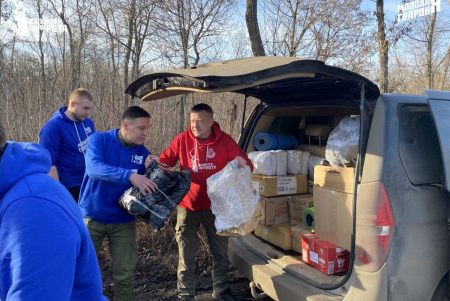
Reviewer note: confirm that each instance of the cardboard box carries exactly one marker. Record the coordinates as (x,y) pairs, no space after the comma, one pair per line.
(324,255)
(333,216)
(274,210)
(335,178)
(296,205)
(279,235)
(296,235)
(281,185)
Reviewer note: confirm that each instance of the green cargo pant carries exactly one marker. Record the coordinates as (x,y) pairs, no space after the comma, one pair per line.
(122,245)
(187,226)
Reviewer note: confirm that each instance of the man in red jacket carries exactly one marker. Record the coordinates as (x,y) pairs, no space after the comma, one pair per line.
(203,149)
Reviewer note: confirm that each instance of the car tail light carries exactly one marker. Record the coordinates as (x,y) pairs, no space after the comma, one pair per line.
(375,226)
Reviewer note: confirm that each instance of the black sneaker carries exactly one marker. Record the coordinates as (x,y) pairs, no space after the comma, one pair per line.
(224,296)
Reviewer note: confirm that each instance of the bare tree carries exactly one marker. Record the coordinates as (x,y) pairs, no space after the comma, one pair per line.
(251,18)
(430,44)
(290,22)
(77,17)
(383,48)
(189,28)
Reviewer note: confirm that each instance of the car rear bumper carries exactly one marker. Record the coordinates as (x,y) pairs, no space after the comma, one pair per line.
(273,280)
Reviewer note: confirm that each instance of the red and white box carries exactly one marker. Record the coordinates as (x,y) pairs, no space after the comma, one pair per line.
(324,255)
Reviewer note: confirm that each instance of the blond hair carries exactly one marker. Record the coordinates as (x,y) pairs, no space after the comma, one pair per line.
(80,93)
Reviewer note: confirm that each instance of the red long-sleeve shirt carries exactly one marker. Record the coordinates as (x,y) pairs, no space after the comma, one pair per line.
(208,155)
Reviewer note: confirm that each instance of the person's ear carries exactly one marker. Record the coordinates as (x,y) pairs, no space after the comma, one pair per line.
(125,124)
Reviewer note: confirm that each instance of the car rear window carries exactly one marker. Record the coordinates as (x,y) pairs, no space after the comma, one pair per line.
(420,152)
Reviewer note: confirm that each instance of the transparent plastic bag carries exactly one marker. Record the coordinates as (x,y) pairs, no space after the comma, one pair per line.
(282,163)
(294,165)
(342,144)
(264,163)
(233,200)
(305,163)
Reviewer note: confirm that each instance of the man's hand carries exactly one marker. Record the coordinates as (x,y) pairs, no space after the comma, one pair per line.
(241,161)
(144,184)
(149,159)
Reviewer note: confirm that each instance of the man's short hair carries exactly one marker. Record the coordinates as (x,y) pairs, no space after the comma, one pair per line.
(2,138)
(80,93)
(134,112)
(201,107)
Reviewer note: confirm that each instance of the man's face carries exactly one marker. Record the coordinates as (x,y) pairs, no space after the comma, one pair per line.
(81,108)
(201,124)
(136,130)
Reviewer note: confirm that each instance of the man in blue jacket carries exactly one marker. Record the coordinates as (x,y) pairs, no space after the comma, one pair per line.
(65,136)
(115,161)
(45,250)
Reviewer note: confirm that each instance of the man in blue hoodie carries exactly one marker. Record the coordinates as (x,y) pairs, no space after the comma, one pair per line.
(115,161)
(45,250)
(65,136)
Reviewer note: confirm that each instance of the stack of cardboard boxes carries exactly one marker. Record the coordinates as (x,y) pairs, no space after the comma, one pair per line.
(327,249)
(283,199)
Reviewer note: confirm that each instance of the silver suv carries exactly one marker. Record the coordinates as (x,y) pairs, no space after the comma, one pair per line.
(399,234)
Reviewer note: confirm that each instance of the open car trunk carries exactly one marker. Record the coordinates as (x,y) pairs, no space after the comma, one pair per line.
(297,120)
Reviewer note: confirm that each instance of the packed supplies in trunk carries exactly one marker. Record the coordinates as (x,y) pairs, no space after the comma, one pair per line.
(233,200)
(156,207)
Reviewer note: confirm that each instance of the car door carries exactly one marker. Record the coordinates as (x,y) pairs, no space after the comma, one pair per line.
(440,108)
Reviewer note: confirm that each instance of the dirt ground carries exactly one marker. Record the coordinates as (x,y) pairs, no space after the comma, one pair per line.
(156,270)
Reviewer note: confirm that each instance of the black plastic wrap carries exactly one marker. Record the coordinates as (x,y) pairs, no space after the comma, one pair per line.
(156,207)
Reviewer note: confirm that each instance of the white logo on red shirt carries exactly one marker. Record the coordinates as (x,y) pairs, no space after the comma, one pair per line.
(210,153)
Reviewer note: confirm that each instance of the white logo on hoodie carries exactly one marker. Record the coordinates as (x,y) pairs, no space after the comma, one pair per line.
(137,159)
(210,153)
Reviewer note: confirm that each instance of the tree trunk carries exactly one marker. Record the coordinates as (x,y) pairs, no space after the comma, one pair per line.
(131,20)
(383,49)
(430,40)
(251,18)
(446,68)
(43,90)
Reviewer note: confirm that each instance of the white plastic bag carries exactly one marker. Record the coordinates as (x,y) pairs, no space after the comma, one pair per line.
(305,163)
(313,161)
(264,163)
(342,144)
(282,162)
(233,200)
(294,166)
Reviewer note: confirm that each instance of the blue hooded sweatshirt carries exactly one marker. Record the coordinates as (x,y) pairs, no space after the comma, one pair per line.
(66,140)
(46,252)
(109,164)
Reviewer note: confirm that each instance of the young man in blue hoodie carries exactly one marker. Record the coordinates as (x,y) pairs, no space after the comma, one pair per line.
(115,161)
(45,250)
(65,136)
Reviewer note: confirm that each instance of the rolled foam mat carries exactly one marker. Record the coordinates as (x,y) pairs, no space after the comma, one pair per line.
(265,141)
(287,142)
(308,218)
